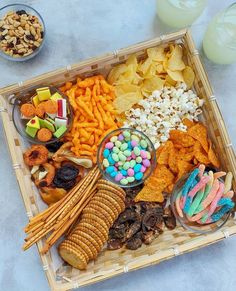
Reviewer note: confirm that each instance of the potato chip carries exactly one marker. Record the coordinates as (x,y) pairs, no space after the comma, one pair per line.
(156,53)
(116,72)
(150,85)
(144,66)
(199,132)
(175,62)
(132,60)
(200,154)
(176,75)
(150,72)
(189,76)
(126,88)
(181,138)
(126,101)
(164,153)
(212,156)
(170,81)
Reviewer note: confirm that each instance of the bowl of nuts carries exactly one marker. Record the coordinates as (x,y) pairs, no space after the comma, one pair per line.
(22,32)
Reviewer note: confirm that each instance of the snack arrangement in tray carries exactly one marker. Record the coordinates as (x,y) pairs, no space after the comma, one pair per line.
(144,118)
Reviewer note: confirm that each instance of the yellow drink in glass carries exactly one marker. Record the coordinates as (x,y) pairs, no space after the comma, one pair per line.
(179,13)
(219,43)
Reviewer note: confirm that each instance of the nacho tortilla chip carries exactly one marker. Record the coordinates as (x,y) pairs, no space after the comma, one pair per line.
(212,156)
(149,195)
(200,153)
(199,132)
(189,123)
(183,167)
(181,138)
(172,160)
(162,159)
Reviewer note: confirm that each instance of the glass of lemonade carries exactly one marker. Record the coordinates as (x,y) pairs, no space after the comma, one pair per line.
(219,43)
(180,13)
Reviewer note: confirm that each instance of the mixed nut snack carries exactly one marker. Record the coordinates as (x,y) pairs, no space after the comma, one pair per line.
(20,33)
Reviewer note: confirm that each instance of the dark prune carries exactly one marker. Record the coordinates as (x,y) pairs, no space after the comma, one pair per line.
(67,172)
(21,12)
(30,37)
(53,147)
(64,184)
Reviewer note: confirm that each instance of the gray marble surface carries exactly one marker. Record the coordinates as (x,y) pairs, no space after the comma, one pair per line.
(76,30)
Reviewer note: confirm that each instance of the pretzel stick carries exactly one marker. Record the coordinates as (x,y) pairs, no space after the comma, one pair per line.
(60,216)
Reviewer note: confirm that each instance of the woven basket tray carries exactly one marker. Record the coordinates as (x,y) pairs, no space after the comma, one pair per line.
(170,243)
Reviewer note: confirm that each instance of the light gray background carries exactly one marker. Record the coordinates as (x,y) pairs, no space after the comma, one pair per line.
(77,30)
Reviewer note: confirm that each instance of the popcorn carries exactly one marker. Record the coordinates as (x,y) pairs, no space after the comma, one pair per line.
(163,111)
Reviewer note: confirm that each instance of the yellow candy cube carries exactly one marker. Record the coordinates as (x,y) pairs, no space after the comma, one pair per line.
(43,93)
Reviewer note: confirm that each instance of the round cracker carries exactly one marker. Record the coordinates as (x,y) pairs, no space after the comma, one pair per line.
(110,193)
(119,204)
(81,239)
(95,224)
(115,207)
(100,220)
(92,235)
(108,183)
(96,210)
(93,229)
(101,226)
(70,243)
(84,245)
(110,188)
(96,243)
(73,258)
(104,208)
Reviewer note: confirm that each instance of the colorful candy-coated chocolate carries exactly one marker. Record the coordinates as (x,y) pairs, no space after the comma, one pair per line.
(133,156)
(110,160)
(115,157)
(132,163)
(143,143)
(146,163)
(143,169)
(138,176)
(109,145)
(134,143)
(126,133)
(130,179)
(139,160)
(118,177)
(106,153)
(120,137)
(126,165)
(121,157)
(114,139)
(124,181)
(105,163)
(110,169)
(115,150)
(136,151)
(137,168)
(118,144)
(124,172)
(143,154)
(148,156)
(123,147)
(129,158)
(130,172)
(113,174)
(135,137)
(127,153)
